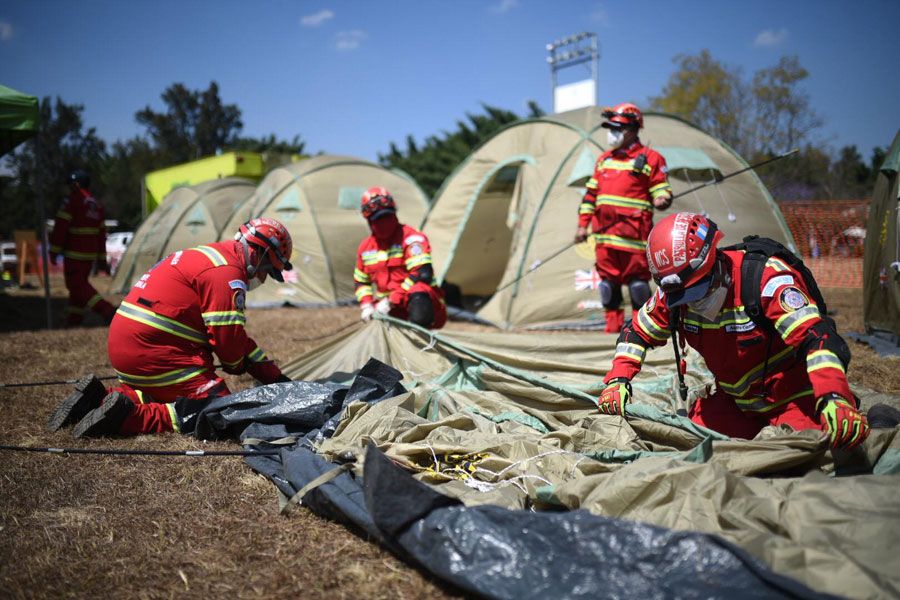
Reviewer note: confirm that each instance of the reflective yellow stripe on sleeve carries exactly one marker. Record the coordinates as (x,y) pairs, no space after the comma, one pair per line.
(224,317)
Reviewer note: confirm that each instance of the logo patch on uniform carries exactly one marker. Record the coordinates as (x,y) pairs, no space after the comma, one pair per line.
(415,250)
(664,169)
(792,299)
(651,303)
(412,239)
(775,283)
(237,284)
(239,300)
(740,327)
(690,328)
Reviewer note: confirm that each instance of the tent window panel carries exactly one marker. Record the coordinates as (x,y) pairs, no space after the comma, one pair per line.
(289,206)
(584,168)
(197,217)
(349,197)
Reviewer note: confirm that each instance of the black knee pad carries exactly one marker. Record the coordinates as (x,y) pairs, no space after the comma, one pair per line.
(610,295)
(639,291)
(421,311)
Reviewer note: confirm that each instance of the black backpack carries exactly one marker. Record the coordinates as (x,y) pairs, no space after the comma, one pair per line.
(758,250)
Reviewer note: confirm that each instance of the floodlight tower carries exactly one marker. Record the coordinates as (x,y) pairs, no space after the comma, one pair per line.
(567,52)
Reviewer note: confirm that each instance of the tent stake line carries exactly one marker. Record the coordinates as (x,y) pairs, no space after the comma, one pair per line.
(114,452)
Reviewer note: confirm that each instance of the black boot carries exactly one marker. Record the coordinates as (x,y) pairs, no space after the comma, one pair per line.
(84,398)
(107,418)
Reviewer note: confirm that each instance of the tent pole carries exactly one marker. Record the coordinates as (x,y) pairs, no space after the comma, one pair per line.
(42,215)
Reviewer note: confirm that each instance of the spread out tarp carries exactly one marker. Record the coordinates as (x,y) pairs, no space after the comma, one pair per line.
(881,262)
(501,477)
(514,202)
(19,118)
(189,216)
(318,200)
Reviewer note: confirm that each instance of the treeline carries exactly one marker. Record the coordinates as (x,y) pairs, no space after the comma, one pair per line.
(761,115)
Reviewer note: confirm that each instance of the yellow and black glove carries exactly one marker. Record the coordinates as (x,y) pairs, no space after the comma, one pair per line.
(613,399)
(845,425)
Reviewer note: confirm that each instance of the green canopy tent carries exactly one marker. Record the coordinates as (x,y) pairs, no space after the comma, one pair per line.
(19,121)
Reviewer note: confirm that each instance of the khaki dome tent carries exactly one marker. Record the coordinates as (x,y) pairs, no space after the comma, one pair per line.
(187,217)
(514,201)
(881,264)
(318,200)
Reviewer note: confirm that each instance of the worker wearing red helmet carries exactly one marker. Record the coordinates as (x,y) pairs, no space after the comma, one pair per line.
(790,373)
(393,274)
(162,341)
(629,181)
(79,236)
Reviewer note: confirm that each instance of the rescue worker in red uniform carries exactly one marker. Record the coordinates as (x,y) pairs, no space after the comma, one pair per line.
(791,374)
(617,210)
(393,274)
(187,308)
(80,237)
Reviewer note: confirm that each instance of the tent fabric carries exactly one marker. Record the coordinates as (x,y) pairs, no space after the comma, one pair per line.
(318,200)
(188,216)
(881,259)
(508,420)
(513,203)
(19,118)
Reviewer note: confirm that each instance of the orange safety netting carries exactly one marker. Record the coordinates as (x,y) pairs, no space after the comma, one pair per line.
(830,236)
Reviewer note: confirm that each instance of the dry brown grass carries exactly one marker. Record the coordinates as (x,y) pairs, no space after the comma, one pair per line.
(90,526)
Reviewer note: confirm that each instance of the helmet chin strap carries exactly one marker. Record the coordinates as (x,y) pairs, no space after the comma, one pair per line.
(251,268)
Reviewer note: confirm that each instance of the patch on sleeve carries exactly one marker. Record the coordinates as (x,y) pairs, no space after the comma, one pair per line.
(415,250)
(664,169)
(792,299)
(239,300)
(651,303)
(775,283)
(237,284)
(412,239)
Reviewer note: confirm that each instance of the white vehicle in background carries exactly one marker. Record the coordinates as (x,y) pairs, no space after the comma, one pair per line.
(116,243)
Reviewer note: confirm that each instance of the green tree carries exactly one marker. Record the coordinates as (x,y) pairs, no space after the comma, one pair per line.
(41,165)
(123,172)
(431,162)
(195,124)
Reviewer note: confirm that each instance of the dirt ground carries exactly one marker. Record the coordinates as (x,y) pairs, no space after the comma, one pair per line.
(79,526)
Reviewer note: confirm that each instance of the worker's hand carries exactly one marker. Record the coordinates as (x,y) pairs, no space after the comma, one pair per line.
(662,202)
(613,399)
(367,311)
(844,424)
(581,234)
(384,306)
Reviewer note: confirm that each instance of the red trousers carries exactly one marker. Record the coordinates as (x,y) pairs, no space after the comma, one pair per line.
(400,311)
(171,407)
(719,413)
(82,295)
(620,266)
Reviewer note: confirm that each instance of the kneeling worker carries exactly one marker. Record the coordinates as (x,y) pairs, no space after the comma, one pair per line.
(163,337)
(754,319)
(393,267)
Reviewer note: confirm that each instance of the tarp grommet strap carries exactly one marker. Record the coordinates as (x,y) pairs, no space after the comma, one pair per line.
(288,503)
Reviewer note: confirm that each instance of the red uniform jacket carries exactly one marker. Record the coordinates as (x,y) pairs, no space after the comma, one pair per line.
(735,349)
(388,269)
(617,203)
(187,307)
(78,232)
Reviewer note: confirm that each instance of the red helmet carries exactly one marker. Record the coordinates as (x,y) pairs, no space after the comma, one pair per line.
(275,241)
(375,200)
(681,252)
(623,115)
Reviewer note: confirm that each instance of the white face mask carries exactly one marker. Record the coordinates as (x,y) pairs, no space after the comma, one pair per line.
(615,137)
(709,306)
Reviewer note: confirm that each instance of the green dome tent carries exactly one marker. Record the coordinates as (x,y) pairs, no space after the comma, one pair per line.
(881,262)
(187,217)
(513,202)
(318,200)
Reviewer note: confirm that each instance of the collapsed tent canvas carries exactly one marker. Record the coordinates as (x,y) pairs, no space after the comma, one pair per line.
(318,200)
(187,217)
(514,201)
(881,262)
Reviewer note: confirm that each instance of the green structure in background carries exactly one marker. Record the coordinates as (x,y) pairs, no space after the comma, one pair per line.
(19,117)
(157,184)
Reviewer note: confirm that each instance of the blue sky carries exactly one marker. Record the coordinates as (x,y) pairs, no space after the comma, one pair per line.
(351,76)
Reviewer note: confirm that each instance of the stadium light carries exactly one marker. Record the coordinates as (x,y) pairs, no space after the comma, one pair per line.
(570,51)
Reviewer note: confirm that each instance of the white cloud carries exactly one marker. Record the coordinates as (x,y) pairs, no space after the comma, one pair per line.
(770,37)
(600,15)
(349,40)
(6,31)
(504,6)
(316,19)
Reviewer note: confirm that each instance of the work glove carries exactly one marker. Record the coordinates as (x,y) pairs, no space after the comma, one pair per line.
(662,202)
(367,311)
(383,306)
(581,234)
(846,427)
(613,399)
